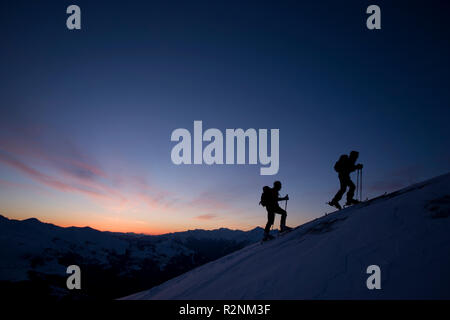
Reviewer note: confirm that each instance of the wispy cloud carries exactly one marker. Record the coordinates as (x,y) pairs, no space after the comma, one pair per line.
(51,148)
(210,200)
(44,178)
(208,216)
(52,159)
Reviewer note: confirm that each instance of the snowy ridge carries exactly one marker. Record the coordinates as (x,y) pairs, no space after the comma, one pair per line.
(406,233)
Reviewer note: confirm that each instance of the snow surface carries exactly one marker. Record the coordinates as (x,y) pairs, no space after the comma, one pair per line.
(407,234)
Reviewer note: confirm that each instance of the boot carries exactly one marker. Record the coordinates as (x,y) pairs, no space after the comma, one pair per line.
(267,237)
(285,228)
(351,202)
(335,204)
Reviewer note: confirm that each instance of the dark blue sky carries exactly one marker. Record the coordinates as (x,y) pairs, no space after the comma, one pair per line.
(86,116)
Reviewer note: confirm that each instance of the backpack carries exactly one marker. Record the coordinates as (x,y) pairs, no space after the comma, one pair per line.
(340,164)
(266,196)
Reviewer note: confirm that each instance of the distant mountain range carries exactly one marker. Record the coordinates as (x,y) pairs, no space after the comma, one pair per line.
(34,257)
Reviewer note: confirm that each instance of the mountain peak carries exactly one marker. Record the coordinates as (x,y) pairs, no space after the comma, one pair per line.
(32,220)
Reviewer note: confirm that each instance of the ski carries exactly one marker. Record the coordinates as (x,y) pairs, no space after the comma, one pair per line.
(338,206)
(282,233)
(279,234)
(265,239)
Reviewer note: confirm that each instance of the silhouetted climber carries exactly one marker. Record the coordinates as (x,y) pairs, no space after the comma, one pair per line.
(344,166)
(269,199)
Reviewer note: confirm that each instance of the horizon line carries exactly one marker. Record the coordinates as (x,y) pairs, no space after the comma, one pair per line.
(123,232)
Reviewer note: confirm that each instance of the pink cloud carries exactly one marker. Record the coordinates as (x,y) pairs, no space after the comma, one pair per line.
(50,158)
(51,147)
(44,178)
(207,216)
(209,200)
(26,150)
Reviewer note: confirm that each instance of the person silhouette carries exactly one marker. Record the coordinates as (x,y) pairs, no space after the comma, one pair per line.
(344,166)
(270,198)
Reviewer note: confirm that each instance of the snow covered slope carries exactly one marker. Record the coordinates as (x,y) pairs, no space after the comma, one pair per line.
(407,234)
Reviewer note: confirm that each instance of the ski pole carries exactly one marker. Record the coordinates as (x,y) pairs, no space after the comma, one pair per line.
(360,186)
(359,192)
(285,206)
(357,183)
